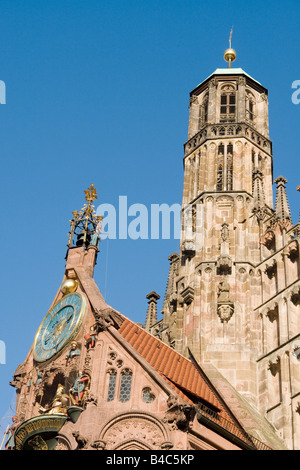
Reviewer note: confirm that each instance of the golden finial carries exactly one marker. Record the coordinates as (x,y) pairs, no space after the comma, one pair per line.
(230,54)
(85,224)
(90,194)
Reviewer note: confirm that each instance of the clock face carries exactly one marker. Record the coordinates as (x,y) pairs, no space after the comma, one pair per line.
(59,326)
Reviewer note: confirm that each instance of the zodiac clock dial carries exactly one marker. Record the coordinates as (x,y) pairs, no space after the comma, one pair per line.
(59,326)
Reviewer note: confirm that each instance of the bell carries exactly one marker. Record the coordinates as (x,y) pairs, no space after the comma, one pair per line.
(80,239)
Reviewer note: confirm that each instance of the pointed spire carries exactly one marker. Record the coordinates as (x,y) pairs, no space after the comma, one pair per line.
(259,203)
(151,317)
(282,209)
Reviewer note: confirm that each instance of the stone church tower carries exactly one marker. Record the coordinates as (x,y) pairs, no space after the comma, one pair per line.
(220,370)
(233,291)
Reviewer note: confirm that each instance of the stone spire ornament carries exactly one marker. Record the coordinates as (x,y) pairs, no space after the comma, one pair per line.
(259,204)
(151,317)
(282,209)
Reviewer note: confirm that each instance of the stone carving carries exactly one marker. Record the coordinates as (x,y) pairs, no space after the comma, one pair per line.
(194,100)
(292,251)
(223,291)
(225,312)
(272,314)
(225,307)
(106,318)
(62,443)
(134,430)
(268,239)
(225,233)
(179,415)
(274,367)
(98,445)
(296,350)
(18,377)
(82,442)
(271,270)
(295,296)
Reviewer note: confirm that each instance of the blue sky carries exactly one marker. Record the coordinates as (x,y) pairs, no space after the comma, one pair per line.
(98,91)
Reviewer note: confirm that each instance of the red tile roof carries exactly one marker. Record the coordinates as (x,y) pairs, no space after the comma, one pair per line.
(180,372)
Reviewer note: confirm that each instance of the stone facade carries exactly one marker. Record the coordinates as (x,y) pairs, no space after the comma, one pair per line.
(221,369)
(233,290)
(133,391)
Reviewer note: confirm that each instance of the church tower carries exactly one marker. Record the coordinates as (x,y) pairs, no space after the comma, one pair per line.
(221,369)
(233,291)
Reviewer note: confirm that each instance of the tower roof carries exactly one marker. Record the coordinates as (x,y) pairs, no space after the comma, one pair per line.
(227,72)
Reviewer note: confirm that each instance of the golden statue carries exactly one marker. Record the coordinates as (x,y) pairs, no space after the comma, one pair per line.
(60,403)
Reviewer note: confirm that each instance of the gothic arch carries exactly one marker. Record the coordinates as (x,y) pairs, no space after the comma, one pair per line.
(230,86)
(133,444)
(135,430)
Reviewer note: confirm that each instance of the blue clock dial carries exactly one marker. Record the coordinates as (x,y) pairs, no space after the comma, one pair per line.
(59,326)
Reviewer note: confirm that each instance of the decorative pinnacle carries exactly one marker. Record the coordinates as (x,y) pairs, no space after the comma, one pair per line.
(282,209)
(151,317)
(85,224)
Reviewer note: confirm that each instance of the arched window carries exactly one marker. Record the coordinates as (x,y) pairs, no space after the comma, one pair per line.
(205,109)
(112,384)
(228,106)
(250,106)
(125,386)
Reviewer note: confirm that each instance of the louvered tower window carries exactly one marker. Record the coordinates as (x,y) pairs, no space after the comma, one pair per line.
(227,109)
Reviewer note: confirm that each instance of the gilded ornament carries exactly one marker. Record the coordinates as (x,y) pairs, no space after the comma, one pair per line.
(69,286)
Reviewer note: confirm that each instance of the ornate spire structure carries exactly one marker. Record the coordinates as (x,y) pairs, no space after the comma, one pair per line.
(151,318)
(282,209)
(230,54)
(85,224)
(259,203)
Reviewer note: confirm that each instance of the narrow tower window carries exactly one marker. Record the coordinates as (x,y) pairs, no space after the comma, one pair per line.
(229,166)
(220,178)
(227,109)
(220,165)
(250,106)
(205,109)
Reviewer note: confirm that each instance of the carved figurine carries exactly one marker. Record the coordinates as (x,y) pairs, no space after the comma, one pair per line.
(40,376)
(90,339)
(223,291)
(79,388)
(29,383)
(74,351)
